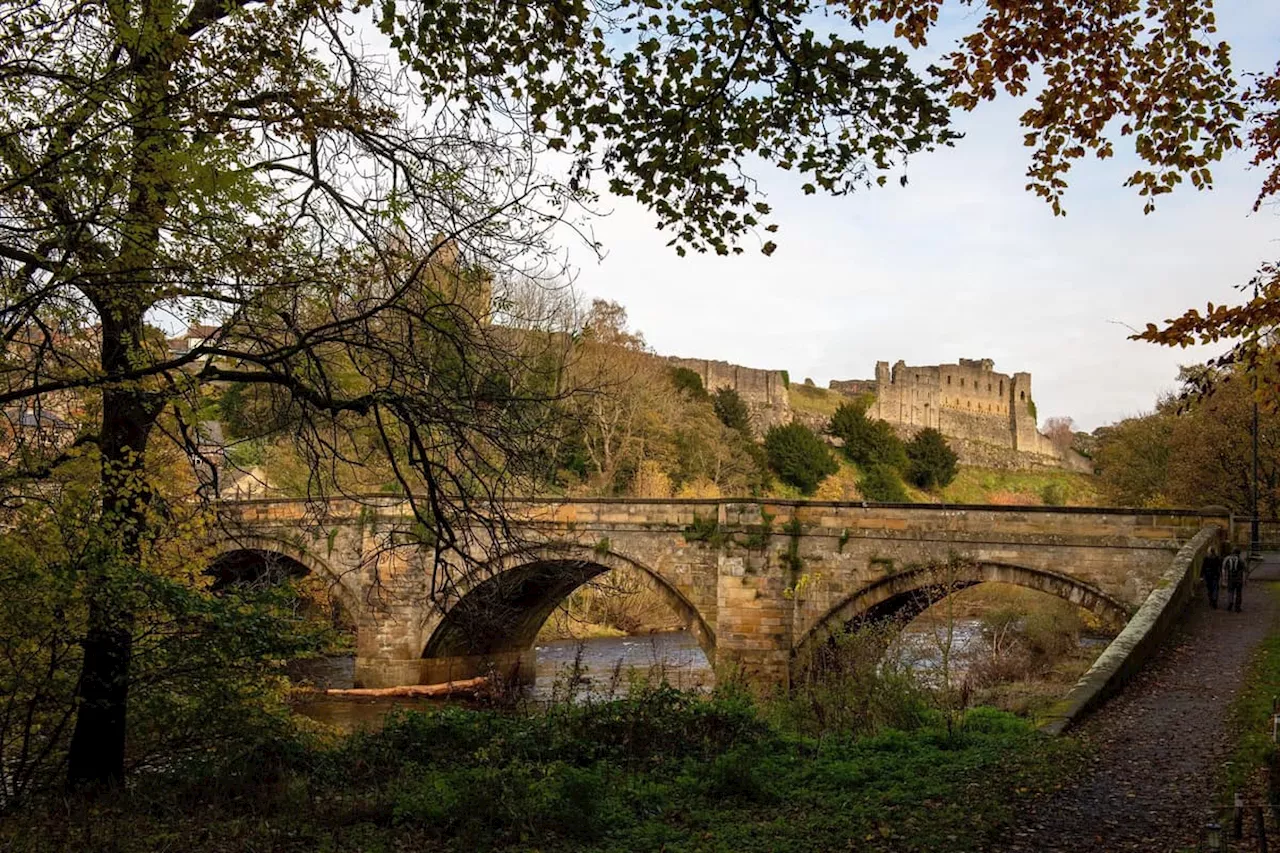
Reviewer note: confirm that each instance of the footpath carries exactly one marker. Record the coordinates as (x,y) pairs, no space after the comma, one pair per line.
(1159,745)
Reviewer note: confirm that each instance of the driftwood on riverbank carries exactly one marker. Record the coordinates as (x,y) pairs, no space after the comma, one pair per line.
(448,688)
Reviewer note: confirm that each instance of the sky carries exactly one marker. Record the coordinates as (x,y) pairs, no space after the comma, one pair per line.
(963,262)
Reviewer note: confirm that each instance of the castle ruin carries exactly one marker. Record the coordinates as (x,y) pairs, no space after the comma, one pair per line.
(969,402)
(764,391)
(989,418)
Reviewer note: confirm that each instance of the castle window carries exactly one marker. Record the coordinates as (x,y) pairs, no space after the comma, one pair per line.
(1022,395)
(1001,386)
(988,387)
(948,380)
(962,382)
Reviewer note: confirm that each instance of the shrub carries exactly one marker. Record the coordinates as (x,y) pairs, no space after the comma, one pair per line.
(1053,494)
(486,804)
(867,442)
(732,411)
(689,383)
(850,685)
(848,418)
(798,456)
(881,483)
(1052,630)
(737,775)
(931,461)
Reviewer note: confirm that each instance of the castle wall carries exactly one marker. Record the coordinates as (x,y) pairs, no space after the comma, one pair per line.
(853,387)
(764,391)
(967,401)
(975,426)
(987,415)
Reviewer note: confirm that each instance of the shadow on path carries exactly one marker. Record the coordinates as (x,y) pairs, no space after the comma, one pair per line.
(1160,743)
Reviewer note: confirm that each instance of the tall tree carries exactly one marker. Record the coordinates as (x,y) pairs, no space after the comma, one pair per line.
(1133,460)
(1061,431)
(1196,449)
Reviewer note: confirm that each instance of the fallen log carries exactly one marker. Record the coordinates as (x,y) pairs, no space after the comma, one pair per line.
(448,688)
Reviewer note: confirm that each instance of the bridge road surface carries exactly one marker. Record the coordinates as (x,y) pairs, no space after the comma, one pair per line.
(1159,743)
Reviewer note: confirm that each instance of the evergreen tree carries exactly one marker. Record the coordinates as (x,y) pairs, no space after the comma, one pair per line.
(932,462)
(732,411)
(798,456)
(689,383)
(867,442)
(882,483)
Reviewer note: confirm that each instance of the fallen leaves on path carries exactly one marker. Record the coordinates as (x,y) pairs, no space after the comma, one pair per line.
(1157,747)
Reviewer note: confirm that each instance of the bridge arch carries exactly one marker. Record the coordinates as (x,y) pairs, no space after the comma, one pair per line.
(249,552)
(905,595)
(508,602)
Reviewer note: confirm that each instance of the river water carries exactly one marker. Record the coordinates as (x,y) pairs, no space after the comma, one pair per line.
(607,668)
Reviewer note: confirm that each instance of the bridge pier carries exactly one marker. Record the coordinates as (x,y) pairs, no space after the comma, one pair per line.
(754,619)
(388,648)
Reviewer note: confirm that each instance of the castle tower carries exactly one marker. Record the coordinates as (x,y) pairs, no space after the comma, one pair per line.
(882,408)
(1022,420)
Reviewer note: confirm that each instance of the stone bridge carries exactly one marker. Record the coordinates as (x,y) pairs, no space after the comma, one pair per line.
(756,582)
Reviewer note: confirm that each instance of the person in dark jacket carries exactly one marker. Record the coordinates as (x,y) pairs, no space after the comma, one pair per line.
(1211,571)
(1235,568)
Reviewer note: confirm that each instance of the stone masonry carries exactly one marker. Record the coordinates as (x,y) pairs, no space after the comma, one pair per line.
(967,401)
(764,391)
(757,583)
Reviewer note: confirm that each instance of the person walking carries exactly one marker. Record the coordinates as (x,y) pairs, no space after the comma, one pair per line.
(1211,572)
(1234,567)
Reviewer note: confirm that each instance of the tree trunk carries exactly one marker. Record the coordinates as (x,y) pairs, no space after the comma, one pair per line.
(447,688)
(122,298)
(96,757)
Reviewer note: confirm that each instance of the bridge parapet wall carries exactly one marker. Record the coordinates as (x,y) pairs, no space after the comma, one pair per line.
(1144,633)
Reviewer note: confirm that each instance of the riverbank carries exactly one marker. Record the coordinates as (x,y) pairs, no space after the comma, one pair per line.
(661,770)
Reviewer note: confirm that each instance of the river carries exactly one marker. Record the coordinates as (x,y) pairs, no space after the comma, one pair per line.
(607,668)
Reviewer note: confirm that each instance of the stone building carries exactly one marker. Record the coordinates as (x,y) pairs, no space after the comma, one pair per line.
(982,411)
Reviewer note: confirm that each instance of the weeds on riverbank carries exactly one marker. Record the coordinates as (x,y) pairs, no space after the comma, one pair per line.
(658,770)
(860,754)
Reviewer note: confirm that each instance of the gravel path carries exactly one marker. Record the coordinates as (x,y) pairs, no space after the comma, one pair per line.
(1159,744)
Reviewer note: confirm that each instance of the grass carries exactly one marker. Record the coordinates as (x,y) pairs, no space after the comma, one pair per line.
(811,400)
(971,486)
(842,485)
(995,485)
(665,771)
(974,486)
(1251,710)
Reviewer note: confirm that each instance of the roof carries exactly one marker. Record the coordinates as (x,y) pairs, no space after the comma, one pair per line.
(199,330)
